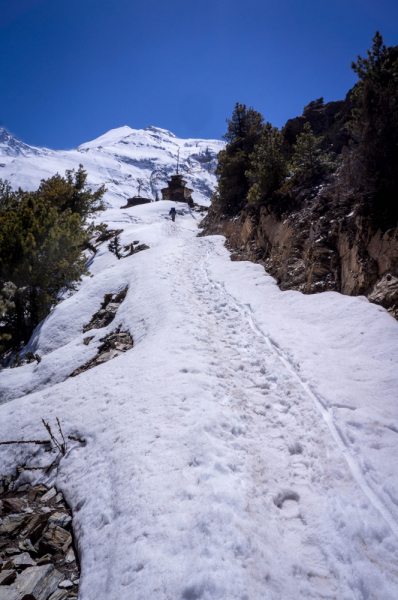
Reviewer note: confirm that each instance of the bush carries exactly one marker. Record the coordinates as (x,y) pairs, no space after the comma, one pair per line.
(42,236)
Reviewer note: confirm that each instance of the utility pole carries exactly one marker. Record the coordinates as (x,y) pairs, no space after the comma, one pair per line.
(178,159)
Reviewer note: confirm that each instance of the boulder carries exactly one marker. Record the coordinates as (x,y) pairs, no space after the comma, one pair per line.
(49,495)
(27,546)
(7,577)
(61,519)
(34,527)
(14,505)
(55,539)
(24,560)
(59,595)
(12,524)
(6,593)
(44,560)
(37,582)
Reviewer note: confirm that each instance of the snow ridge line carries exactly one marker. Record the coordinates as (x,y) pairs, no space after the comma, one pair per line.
(246,311)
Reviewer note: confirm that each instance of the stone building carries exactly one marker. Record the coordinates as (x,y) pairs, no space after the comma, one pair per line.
(177,191)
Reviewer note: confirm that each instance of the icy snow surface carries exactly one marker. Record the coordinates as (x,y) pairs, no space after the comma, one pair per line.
(245,448)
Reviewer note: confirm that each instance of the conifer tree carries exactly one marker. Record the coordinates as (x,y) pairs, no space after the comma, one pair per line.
(308,159)
(268,165)
(42,237)
(243,133)
(71,192)
(372,165)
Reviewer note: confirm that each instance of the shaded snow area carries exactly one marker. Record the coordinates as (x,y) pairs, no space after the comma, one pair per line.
(244,448)
(122,158)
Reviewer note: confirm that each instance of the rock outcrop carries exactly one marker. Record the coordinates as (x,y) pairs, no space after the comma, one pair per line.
(327,120)
(112,346)
(37,557)
(107,312)
(316,248)
(312,238)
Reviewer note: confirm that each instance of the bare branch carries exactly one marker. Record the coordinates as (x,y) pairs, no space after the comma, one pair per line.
(27,442)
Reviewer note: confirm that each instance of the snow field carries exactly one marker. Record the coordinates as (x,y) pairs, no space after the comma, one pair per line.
(244,448)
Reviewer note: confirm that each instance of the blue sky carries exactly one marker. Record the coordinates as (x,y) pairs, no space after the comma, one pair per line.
(70,70)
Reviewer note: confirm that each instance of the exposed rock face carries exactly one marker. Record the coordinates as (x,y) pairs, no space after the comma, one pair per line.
(12,146)
(107,312)
(316,249)
(328,120)
(113,345)
(316,239)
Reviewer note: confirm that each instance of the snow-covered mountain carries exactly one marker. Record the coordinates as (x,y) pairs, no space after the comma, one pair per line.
(122,158)
(11,146)
(245,447)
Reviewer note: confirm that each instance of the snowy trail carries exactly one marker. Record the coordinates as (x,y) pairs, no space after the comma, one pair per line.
(220,303)
(374,497)
(216,465)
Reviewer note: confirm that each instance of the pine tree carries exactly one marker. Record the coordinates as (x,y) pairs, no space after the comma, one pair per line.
(243,134)
(268,165)
(71,192)
(372,167)
(115,246)
(41,250)
(308,159)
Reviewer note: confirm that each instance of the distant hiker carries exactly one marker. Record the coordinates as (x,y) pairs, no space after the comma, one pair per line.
(173,213)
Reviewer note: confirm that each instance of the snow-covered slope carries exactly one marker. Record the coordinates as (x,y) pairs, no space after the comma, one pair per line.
(244,448)
(122,158)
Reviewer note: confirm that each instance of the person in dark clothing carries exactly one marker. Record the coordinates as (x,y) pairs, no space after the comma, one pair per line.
(173,213)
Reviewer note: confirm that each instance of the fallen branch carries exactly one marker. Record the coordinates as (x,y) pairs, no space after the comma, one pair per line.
(57,444)
(27,442)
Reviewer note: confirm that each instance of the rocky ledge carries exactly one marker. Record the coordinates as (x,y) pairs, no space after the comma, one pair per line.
(318,246)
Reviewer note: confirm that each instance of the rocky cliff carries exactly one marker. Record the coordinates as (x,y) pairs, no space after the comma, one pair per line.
(327,120)
(311,253)
(319,241)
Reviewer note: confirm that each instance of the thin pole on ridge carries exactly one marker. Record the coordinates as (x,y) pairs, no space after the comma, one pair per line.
(178,159)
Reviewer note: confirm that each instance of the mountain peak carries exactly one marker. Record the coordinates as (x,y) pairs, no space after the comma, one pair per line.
(12,146)
(159,130)
(111,137)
